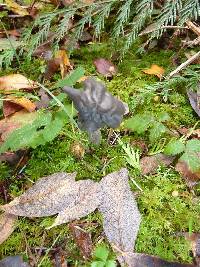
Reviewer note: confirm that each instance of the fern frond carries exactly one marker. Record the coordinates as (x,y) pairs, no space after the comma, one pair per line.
(190,10)
(168,16)
(144,11)
(122,18)
(100,18)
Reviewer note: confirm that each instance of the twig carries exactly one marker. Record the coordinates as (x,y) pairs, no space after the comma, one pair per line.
(184,65)
(163,27)
(193,27)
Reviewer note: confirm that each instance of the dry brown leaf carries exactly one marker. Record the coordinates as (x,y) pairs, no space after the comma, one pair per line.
(144,260)
(7,226)
(149,164)
(191,178)
(105,67)
(120,212)
(17,120)
(16,82)
(23,102)
(17,9)
(9,108)
(155,70)
(82,239)
(65,64)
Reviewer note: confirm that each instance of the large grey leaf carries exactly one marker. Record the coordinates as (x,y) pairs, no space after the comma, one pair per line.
(120,211)
(85,202)
(48,196)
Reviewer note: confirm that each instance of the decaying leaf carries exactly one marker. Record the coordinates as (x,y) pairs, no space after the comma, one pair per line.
(9,108)
(13,261)
(60,61)
(17,120)
(7,226)
(192,178)
(57,193)
(60,193)
(144,260)
(194,101)
(14,7)
(23,102)
(149,164)
(120,212)
(84,201)
(105,67)
(155,70)
(77,150)
(82,239)
(16,82)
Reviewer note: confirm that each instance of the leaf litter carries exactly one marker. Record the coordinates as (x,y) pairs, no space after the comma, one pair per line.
(60,193)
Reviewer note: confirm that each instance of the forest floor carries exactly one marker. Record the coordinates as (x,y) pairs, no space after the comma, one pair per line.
(168,206)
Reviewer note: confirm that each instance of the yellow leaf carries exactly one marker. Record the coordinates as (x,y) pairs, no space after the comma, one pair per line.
(82,79)
(24,102)
(155,70)
(17,9)
(15,82)
(65,64)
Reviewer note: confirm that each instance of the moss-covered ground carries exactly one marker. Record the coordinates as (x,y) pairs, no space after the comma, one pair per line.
(163,214)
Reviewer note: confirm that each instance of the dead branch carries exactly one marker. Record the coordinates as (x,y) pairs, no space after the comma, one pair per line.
(184,65)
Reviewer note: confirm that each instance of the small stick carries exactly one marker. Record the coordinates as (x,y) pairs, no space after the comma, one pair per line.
(184,65)
(193,27)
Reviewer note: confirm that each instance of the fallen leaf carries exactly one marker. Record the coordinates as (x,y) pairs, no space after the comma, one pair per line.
(57,193)
(44,99)
(17,9)
(60,193)
(16,82)
(121,217)
(59,258)
(17,120)
(61,61)
(144,260)
(7,226)
(194,239)
(23,102)
(13,261)
(12,157)
(9,108)
(191,178)
(194,101)
(105,67)
(155,70)
(82,240)
(149,164)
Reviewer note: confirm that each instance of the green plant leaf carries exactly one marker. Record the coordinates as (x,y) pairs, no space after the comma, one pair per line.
(156,131)
(174,147)
(139,123)
(193,145)
(101,252)
(193,161)
(71,79)
(97,264)
(163,116)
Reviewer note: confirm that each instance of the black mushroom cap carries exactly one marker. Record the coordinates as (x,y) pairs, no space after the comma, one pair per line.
(97,107)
